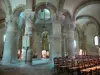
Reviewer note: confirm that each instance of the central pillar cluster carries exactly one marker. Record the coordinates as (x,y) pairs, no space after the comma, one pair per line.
(69,36)
(27,38)
(11,41)
(70,44)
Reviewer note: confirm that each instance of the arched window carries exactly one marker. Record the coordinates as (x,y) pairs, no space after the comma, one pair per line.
(75,43)
(96,40)
(45,13)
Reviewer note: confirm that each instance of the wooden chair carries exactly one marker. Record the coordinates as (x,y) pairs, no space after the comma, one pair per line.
(56,64)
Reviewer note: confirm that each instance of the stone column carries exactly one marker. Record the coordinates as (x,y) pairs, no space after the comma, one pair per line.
(11,41)
(70,44)
(27,38)
(56,39)
(69,28)
(64,46)
(56,43)
(64,42)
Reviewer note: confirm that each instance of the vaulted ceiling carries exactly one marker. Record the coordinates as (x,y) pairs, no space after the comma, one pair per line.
(78,9)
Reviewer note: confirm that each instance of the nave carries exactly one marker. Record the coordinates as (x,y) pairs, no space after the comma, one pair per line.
(56,37)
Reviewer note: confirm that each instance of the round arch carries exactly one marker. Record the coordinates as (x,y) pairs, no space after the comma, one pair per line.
(44,5)
(78,30)
(68,19)
(67,13)
(86,24)
(83,4)
(86,36)
(92,20)
(18,10)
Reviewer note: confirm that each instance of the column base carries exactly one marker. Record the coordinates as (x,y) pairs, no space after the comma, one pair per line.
(5,63)
(26,57)
(28,63)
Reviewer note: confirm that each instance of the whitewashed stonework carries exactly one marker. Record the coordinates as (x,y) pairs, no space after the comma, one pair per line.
(11,41)
(29,15)
(27,52)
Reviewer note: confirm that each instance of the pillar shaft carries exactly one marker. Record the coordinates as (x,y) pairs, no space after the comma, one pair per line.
(11,41)
(69,29)
(70,44)
(27,38)
(62,46)
(56,39)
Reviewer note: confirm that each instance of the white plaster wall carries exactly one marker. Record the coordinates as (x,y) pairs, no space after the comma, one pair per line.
(90,32)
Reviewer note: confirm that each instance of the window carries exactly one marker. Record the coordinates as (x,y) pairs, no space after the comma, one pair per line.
(75,43)
(4,37)
(44,14)
(96,40)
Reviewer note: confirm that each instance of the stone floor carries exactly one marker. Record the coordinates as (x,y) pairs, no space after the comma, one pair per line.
(25,70)
(38,68)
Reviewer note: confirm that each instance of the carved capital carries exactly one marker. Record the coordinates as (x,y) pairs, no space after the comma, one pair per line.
(71,26)
(10,20)
(29,21)
(11,23)
(58,18)
(29,16)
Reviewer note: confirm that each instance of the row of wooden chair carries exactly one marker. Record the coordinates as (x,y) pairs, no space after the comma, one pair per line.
(81,65)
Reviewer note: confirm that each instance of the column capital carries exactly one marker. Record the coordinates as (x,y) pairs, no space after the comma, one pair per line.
(29,16)
(11,23)
(11,19)
(58,18)
(71,27)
